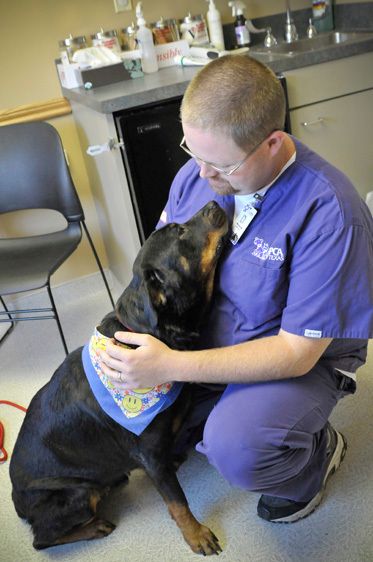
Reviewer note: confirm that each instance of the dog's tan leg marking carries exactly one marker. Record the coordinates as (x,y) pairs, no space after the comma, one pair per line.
(199,537)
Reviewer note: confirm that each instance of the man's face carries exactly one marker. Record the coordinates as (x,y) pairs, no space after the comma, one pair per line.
(215,148)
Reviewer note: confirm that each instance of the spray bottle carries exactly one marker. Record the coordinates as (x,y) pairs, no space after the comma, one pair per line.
(144,38)
(242,33)
(215,26)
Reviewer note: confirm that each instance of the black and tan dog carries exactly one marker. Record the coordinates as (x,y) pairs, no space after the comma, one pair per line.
(69,452)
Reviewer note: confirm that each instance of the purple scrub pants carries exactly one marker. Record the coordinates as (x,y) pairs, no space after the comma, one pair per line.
(270,437)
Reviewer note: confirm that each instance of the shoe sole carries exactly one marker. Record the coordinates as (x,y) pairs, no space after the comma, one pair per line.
(335,462)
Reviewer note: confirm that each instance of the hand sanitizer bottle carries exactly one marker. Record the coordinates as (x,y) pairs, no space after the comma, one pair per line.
(144,38)
(215,26)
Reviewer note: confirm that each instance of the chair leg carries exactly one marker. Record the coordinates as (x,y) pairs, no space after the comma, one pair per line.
(12,323)
(57,318)
(98,263)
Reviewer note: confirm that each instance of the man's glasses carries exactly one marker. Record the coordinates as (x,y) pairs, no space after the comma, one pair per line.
(226,170)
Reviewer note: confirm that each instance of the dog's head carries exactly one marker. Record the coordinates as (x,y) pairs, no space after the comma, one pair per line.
(173,278)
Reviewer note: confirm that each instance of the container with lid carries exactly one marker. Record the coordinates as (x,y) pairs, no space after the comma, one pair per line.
(194,30)
(165,31)
(69,45)
(127,38)
(108,39)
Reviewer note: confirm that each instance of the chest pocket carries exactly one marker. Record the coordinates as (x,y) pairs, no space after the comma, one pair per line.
(258,292)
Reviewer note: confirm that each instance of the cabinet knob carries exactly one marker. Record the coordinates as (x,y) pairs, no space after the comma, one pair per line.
(317,121)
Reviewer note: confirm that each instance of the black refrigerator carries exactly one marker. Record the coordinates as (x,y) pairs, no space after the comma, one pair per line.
(151,155)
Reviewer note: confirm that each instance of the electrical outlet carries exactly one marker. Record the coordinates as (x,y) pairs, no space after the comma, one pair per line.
(122,5)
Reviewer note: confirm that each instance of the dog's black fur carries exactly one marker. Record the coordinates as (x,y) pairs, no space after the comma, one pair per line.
(69,453)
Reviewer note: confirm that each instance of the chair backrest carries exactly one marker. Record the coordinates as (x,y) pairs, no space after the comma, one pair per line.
(34,173)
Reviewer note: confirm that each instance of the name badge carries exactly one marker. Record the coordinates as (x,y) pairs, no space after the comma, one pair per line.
(241,222)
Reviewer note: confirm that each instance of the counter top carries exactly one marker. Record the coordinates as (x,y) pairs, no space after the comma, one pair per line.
(172,81)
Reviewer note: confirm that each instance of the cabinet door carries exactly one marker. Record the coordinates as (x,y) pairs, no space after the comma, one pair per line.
(341,130)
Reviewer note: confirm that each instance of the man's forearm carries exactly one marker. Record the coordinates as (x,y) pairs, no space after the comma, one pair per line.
(271,358)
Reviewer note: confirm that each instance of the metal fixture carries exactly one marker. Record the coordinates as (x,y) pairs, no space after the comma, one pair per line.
(269,40)
(311,29)
(291,33)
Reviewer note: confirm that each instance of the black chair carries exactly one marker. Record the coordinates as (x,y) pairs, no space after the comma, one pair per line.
(34,175)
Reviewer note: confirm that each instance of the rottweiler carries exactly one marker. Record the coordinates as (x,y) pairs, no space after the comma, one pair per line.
(70,452)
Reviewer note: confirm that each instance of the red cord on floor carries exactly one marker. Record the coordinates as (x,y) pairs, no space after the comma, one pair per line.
(4,454)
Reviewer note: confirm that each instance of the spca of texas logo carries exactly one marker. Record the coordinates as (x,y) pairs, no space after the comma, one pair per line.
(264,251)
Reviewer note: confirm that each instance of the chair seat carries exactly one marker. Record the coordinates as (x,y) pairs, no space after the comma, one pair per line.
(27,263)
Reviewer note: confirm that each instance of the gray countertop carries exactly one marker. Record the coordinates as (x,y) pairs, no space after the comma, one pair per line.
(172,81)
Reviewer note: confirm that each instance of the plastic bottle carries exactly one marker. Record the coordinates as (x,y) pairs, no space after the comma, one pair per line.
(322,12)
(215,26)
(144,38)
(241,31)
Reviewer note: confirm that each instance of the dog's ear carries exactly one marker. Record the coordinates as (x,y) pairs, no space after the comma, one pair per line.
(135,309)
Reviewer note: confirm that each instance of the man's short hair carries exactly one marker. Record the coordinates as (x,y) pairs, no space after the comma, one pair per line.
(236,95)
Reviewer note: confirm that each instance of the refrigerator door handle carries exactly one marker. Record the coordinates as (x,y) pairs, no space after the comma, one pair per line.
(111,144)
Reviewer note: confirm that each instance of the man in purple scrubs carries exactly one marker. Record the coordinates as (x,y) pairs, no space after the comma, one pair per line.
(293,305)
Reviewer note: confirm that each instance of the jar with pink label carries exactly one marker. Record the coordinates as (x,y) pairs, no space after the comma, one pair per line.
(108,39)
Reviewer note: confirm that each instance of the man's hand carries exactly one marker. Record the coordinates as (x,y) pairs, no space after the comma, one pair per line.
(146,366)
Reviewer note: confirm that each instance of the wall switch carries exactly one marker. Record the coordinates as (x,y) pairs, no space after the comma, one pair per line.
(122,5)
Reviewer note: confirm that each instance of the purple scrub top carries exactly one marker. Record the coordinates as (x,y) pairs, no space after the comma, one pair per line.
(304,264)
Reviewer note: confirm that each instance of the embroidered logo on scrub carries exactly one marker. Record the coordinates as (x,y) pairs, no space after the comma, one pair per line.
(264,251)
(131,402)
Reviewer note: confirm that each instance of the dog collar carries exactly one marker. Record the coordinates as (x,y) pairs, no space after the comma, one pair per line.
(133,409)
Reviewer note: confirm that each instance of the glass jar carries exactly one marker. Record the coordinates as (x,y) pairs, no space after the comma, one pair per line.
(165,31)
(128,38)
(69,45)
(108,39)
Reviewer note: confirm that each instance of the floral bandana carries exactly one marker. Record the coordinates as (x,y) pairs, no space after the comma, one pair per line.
(133,409)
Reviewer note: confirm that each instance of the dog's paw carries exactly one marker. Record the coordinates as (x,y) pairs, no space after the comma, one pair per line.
(101,528)
(203,541)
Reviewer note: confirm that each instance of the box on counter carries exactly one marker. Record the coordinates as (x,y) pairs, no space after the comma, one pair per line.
(69,75)
(167,52)
(72,76)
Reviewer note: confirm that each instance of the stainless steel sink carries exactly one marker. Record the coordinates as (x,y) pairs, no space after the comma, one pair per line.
(315,43)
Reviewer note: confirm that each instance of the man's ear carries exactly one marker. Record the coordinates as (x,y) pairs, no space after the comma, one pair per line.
(275,141)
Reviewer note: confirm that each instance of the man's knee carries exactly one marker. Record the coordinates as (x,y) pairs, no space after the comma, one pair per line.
(256,456)
(240,457)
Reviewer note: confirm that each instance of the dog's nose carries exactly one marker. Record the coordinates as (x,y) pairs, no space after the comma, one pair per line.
(214,214)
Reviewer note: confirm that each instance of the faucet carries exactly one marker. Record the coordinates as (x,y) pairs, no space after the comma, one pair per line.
(291,33)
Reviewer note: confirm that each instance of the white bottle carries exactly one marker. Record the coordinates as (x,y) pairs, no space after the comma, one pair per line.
(144,38)
(215,26)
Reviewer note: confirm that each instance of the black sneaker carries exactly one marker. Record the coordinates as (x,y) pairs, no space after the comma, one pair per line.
(280,510)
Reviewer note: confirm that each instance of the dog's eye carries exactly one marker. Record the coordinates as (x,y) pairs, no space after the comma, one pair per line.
(156,275)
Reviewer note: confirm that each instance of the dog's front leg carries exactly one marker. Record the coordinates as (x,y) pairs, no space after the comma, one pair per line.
(199,537)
